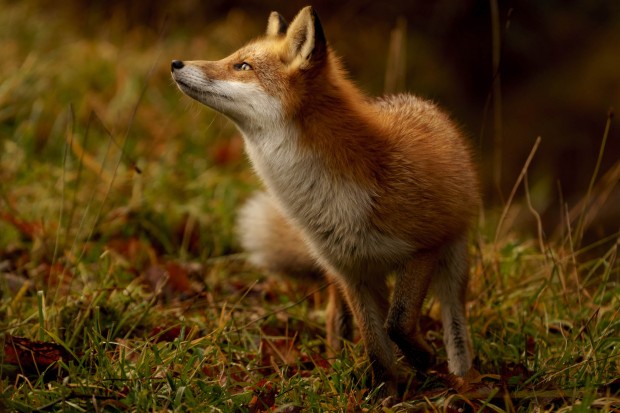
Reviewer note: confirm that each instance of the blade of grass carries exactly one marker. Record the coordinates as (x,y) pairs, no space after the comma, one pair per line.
(580,228)
(41,312)
(61,276)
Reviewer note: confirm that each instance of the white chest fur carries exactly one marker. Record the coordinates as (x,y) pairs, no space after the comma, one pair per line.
(334,212)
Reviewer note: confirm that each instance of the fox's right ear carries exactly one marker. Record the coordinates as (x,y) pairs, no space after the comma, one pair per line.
(276,25)
(306,40)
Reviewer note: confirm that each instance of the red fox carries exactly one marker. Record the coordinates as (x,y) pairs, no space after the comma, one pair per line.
(357,189)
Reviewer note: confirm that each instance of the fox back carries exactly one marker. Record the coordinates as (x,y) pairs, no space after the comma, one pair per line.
(362,187)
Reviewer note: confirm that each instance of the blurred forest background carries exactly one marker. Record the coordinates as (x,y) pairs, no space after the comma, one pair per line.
(556,63)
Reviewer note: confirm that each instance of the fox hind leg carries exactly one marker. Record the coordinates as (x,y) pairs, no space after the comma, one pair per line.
(339,319)
(450,286)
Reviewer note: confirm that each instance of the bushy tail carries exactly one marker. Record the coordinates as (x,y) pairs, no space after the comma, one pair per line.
(272,241)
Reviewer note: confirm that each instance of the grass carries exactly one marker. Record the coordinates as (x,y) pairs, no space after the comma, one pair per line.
(117,251)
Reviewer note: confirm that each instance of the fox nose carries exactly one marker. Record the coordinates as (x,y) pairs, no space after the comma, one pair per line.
(176,64)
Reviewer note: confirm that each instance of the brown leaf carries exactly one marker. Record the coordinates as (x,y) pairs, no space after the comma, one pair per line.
(513,374)
(138,252)
(316,360)
(171,279)
(178,278)
(264,397)
(530,345)
(161,334)
(469,388)
(613,387)
(32,357)
(355,399)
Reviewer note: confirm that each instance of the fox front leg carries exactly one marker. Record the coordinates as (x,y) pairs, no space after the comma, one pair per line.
(412,283)
(368,300)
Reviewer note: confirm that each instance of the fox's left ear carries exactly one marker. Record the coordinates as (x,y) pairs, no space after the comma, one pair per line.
(306,40)
(276,25)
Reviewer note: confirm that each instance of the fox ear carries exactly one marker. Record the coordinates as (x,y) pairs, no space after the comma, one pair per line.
(306,39)
(276,25)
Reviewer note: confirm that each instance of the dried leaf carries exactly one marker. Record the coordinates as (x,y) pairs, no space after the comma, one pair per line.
(612,387)
(137,252)
(32,357)
(355,399)
(264,397)
(162,334)
(513,375)
(469,389)
(171,279)
(530,345)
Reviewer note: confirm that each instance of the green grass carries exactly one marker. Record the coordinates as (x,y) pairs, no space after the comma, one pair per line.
(87,241)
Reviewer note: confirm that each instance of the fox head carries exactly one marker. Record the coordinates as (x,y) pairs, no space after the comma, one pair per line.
(264,81)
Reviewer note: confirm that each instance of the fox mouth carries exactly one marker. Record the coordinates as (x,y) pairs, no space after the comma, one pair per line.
(189,88)
(196,92)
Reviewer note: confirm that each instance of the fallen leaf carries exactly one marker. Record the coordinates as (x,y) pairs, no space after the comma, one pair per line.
(171,279)
(469,389)
(613,387)
(136,251)
(513,375)
(33,357)
(264,397)
(530,345)
(161,334)
(355,399)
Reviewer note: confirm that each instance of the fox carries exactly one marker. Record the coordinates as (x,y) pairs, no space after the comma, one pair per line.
(357,190)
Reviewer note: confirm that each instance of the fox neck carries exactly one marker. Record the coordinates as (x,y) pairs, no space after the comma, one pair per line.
(330,122)
(311,143)
(306,162)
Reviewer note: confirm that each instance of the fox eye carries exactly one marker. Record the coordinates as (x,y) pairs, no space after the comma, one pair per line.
(242,66)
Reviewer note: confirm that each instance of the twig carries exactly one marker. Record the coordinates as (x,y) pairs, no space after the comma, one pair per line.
(514,188)
(539,226)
